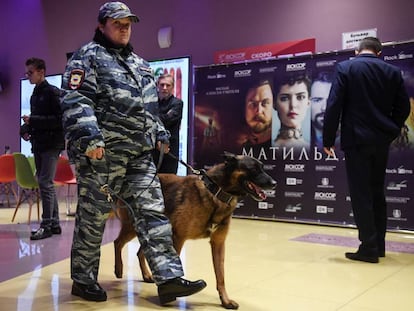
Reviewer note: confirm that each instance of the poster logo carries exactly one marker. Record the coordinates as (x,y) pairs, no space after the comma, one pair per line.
(325,168)
(216,76)
(291,181)
(294,194)
(403,171)
(400,170)
(396,213)
(233,57)
(397,186)
(242,73)
(295,67)
(321,209)
(267,69)
(325,196)
(294,167)
(262,205)
(270,193)
(326,63)
(293,208)
(325,183)
(400,56)
(261,55)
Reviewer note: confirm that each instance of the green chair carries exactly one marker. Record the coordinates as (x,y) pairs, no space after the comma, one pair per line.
(32,164)
(28,185)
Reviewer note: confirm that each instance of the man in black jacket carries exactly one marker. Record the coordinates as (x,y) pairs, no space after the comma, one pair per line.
(170,113)
(46,136)
(369,99)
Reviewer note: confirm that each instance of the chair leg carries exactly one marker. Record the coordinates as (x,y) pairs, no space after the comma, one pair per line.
(14,192)
(7,190)
(32,199)
(7,193)
(18,204)
(30,211)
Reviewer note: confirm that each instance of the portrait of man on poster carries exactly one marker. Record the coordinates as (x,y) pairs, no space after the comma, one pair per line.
(321,85)
(257,113)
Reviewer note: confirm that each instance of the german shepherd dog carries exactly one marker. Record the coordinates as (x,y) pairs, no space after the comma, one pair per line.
(201,206)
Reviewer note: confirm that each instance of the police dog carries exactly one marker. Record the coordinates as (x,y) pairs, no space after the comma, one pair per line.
(201,206)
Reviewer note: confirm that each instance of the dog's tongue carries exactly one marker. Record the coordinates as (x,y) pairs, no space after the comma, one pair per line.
(260,193)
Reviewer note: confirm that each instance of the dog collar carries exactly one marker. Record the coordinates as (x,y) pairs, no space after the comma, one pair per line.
(216,190)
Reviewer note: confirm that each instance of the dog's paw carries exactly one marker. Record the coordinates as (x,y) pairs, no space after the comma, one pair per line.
(148,279)
(230,304)
(118,271)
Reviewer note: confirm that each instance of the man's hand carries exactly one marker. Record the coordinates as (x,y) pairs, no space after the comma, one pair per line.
(330,151)
(166,147)
(26,119)
(96,154)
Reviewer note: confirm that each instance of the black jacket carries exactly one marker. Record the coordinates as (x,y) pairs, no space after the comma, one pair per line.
(369,99)
(170,113)
(46,118)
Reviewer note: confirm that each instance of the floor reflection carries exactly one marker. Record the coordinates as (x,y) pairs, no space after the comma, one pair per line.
(268,266)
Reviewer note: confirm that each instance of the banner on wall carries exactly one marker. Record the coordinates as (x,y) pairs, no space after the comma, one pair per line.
(311,186)
(400,180)
(265,51)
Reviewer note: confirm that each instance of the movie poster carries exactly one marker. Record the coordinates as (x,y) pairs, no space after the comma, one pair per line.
(273,110)
(399,180)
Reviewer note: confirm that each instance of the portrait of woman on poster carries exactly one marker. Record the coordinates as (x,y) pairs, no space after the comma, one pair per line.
(292,102)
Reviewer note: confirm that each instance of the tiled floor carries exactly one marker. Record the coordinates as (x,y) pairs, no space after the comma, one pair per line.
(269,266)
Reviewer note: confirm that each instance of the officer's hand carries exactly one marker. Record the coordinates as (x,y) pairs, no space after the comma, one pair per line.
(96,154)
(166,147)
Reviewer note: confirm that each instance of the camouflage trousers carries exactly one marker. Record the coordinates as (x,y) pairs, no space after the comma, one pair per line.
(132,178)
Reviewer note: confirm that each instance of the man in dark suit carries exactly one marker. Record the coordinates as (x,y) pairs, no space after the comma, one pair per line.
(170,113)
(369,99)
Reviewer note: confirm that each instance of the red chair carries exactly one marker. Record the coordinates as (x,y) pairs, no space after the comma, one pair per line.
(7,176)
(64,177)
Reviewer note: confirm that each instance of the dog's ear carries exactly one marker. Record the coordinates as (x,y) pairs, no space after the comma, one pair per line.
(229,157)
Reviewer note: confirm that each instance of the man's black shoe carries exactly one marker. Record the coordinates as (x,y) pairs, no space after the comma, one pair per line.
(361,257)
(91,292)
(41,233)
(178,287)
(57,230)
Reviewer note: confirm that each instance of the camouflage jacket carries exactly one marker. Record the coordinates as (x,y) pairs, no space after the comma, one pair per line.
(108,93)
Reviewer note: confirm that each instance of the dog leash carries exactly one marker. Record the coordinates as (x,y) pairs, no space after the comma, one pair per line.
(161,157)
(215,189)
(194,171)
(110,193)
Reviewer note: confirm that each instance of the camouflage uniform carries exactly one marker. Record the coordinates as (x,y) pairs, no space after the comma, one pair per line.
(108,94)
